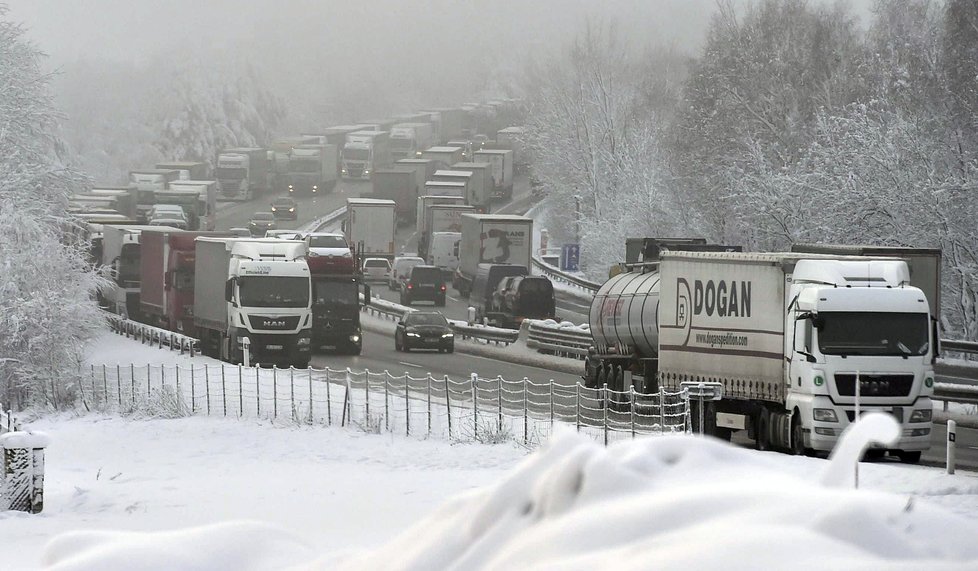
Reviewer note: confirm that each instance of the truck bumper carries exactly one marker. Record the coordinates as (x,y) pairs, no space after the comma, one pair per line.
(284,348)
(335,338)
(823,436)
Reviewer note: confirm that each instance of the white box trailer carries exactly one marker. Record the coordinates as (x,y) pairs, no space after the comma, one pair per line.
(425,202)
(480,185)
(440,218)
(446,156)
(370,224)
(445,188)
(502,170)
(464,177)
(492,239)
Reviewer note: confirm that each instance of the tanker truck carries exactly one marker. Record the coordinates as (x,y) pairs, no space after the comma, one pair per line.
(787,337)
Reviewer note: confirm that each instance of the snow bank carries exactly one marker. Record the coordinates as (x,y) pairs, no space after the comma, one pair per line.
(674,502)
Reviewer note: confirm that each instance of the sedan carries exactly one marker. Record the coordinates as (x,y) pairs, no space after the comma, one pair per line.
(261,222)
(285,208)
(424,330)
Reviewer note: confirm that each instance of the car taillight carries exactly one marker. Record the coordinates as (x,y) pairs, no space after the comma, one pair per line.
(442,287)
(410,286)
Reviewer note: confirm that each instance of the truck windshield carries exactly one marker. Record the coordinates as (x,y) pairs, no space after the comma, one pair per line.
(273,291)
(231,173)
(400,144)
(183,280)
(356,154)
(336,293)
(129,264)
(305,165)
(849,333)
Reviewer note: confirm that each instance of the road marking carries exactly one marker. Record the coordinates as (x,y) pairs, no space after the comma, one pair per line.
(405,363)
(452,298)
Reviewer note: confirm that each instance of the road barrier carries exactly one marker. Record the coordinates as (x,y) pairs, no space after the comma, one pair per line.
(147,334)
(550,338)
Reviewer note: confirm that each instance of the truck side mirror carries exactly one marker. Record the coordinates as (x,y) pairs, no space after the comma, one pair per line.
(168,280)
(366,294)
(229,291)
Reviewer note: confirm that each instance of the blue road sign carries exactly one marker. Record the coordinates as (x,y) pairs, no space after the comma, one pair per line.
(570,257)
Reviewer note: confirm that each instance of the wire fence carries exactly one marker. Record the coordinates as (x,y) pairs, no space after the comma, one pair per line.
(470,409)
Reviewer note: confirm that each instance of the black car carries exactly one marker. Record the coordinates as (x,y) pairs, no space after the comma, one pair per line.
(424,330)
(425,283)
(285,208)
(261,222)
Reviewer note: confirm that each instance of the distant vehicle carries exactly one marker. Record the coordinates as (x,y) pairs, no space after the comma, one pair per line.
(284,234)
(425,283)
(169,222)
(401,270)
(285,208)
(484,287)
(424,330)
(240,232)
(261,222)
(169,212)
(376,269)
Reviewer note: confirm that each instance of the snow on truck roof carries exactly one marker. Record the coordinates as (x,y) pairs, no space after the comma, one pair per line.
(371,201)
(499,217)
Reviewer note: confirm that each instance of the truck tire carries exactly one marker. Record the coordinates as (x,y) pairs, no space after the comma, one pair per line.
(356,349)
(797,437)
(762,432)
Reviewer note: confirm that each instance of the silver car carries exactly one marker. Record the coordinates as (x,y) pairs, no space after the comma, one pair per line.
(376,269)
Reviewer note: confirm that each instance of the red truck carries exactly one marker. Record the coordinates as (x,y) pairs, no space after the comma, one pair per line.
(166,269)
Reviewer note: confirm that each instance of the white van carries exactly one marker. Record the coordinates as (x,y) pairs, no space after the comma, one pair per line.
(401,270)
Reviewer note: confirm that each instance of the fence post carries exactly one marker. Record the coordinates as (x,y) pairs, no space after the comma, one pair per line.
(176,371)
(366,393)
(951,439)
(499,401)
(428,382)
(149,382)
(662,409)
(274,391)
(132,380)
(387,409)
(193,390)
(526,416)
(475,405)
(224,391)
(240,391)
(118,382)
(631,391)
(258,388)
(295,416)
(578,400)
(207,387)
(605,410)
(329,403)
(407,405)
(312,418)
(448,407)
(105,389)
(551,406)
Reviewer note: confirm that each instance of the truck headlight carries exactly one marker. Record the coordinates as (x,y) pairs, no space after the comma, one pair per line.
(824,415)
(921,415)
(315,188)
(355,338)
(303,341)
(292,210)
(413,335)
(448,336)
(366,171)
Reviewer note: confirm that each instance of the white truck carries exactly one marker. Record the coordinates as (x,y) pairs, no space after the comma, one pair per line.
(423,169)
(311,170)
(480,185)
(445,188)
(463,176)
(364,152)
(425,202)
(439,218)
(789,339)
(189,170)
(254,289)
(408,140)
(502,170)
(443,251)
(147,182)
(120,254)
(444,157)
(198,199)
(369,226)
(512,137)
(242,173)
(491,239)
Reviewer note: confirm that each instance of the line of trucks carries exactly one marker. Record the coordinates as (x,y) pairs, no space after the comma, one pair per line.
(790,339)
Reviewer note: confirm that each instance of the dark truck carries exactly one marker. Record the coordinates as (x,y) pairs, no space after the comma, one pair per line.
(336,286)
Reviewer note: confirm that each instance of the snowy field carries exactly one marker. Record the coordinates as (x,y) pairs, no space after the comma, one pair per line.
(328,498)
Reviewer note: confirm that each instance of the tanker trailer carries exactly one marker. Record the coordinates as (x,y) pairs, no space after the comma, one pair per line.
(788,337)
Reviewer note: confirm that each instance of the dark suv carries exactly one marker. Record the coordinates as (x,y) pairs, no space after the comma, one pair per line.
(426,283)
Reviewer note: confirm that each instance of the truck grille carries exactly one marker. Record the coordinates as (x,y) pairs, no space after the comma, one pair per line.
(274,322)
(885,385)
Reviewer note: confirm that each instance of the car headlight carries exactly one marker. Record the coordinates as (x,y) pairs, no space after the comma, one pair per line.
(448,336)
(355,338)
(413,335)
(921,415)
(315,187)
(292,210)
(824,415)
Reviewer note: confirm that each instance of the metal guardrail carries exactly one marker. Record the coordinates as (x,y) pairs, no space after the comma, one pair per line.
(319,224)
(564,277)
(952,392)
(147,334)
(493,335)
(556,340)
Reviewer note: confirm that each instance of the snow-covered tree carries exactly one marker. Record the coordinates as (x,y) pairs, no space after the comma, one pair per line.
(46,283)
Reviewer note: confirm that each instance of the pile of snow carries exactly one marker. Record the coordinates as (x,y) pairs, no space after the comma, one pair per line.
(658,503)
(563,325)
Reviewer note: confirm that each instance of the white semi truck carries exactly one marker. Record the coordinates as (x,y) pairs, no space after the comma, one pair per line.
(311,170)
(491,239)
(242,173)
(502,170)
(440,218)
(786,336)
(408,140)
(369,226)
(364,152)
(480,185)
(256,289)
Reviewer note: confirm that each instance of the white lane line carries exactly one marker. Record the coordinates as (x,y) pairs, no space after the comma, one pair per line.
(405,363)
(453,299)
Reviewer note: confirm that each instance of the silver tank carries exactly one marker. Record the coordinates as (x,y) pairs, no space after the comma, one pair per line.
(625,314)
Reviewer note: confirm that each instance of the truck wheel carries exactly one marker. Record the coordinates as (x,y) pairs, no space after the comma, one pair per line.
(797,437)
(356,349)
(908,457)
(762,432)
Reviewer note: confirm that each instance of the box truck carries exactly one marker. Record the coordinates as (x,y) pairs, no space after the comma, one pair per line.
(491,239)
(440,218)
(408,140)
(311,170)
(365,152)
(400,185)
(369,226)
(445,188)
(188,170)
(480,185)
(787,340)
(242,173)
(254,293)
(444,157)
(502,170)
